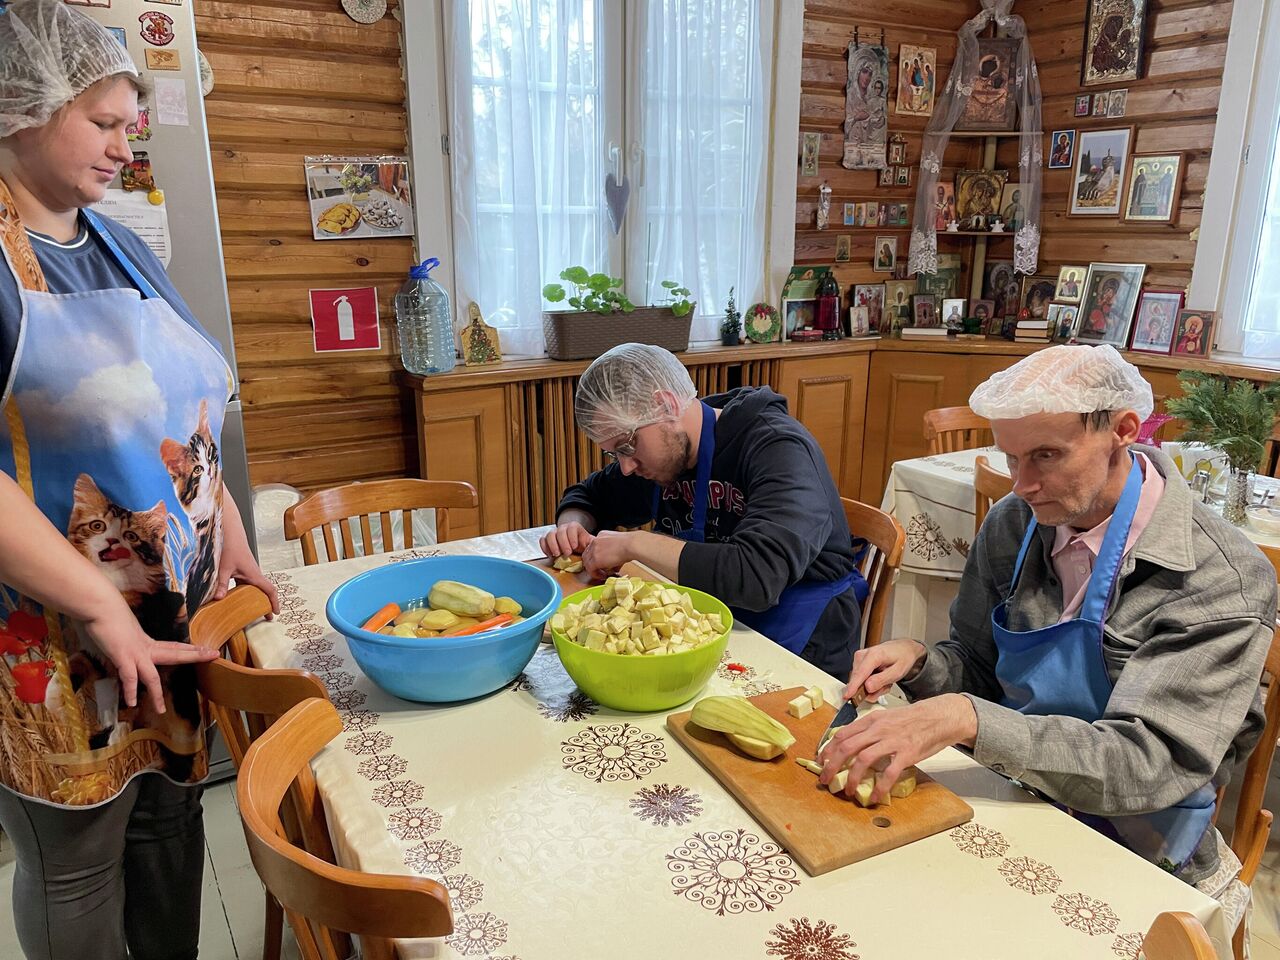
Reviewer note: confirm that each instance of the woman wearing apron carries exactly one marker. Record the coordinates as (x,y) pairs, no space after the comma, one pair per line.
(111,401)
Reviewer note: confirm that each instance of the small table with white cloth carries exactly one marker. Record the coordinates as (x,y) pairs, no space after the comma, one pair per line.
(565,829)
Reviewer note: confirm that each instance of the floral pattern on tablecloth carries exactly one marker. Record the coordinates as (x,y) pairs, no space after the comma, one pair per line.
(802,939)
(663,805)
(1127,945)
(613,751)
(925,538)
(731,872)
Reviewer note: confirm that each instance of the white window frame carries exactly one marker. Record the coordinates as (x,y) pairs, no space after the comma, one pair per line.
(1235,192)
(424,31)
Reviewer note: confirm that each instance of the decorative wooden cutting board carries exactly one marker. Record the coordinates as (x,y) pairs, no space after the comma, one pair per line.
(820,830)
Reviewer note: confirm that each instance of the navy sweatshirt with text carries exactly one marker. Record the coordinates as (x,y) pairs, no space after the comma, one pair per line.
(774,518)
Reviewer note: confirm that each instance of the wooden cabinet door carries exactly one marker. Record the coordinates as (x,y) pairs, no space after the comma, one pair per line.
(462,435)
(828,395)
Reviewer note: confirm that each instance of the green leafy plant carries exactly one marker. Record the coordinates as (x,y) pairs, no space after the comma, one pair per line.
(677,298)
(592,292)
(731,325)
(353,180)
(1236,416)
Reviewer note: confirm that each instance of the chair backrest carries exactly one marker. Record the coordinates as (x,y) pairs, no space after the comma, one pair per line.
(1175,935)
(989,485)
(338,506)
(220,625)
(948,429)
(885,541)
(375,907)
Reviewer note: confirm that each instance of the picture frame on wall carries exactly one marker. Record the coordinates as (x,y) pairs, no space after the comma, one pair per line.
(917,77)
(993,102)
(1155,187)
(1070,284)
(924,310)
(897,299)
(978,194)
(1116,102)
(1083,104)
(844,248)
(903,176)
(850,214)
(1157,320)
(884,255)
(871,296)
(859,322)
(1037,292)
(1099,173)
(1111,293)
(953,311)
(897,149)
(1062,147)
(1100,102)
(1114,41)
(1193,336)
(886,178)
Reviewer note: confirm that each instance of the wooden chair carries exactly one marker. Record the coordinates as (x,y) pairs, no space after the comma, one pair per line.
(1177,936)
(948,429)
(886,540)
(989,485)
(377,498)
(244,702)
(375,907)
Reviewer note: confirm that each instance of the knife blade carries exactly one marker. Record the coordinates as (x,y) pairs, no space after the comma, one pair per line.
(845,715)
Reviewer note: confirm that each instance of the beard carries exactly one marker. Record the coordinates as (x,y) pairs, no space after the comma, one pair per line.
(673,460)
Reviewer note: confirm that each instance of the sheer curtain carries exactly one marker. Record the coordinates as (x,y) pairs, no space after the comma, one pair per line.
(700,113)
(1254,287)
(525,97)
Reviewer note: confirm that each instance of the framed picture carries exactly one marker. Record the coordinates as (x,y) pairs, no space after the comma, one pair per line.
(1100,101)
(1062,319)
(891,214)
(993,104)
(924,310)
(897,298)
(359,197)
(1194,333)
(799,314)
(953,311)
(871,296)
(844,248)
(1062,146)
(944,206)
(1099,173)
(978,194)
(1069,282)
(1157,315)
(850,214)
(1116,101)
(1110,297)
(897,149)
(859,322)
(1155,187)
(1114,32)
(1013,211)
(872,213)
(809,155)
(1037,292)
(885,255)
(917,74)
(904,214)
(887,176)
(1000,285)
(983,310)
(1083,103)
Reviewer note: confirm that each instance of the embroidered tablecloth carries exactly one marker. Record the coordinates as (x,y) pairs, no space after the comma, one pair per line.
(566,830)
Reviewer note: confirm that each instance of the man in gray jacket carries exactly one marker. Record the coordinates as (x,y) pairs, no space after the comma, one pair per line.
(1109,633)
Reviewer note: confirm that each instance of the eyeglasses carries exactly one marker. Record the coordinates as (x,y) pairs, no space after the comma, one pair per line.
(627,448)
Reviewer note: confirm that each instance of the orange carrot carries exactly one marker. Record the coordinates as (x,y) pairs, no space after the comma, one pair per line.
(382,617)
(480,627)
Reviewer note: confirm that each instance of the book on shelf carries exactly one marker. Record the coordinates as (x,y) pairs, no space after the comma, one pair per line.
(1032,338)
(924,333)
(1032,325)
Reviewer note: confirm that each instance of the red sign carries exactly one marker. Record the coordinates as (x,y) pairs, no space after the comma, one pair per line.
(345,319)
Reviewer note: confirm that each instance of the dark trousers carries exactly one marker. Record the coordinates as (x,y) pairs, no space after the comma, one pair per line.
(127,872)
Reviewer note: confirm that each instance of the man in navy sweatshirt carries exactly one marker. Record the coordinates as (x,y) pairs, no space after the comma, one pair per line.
(743,504)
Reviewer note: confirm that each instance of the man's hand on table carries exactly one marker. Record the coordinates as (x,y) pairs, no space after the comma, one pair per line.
(899,737)
(567,539)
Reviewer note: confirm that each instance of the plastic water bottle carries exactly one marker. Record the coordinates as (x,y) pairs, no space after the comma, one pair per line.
(425,322)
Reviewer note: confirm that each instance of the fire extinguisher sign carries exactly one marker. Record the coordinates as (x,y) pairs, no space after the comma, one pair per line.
(345,319)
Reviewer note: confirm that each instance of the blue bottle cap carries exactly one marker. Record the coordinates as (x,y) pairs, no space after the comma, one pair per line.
(423,270)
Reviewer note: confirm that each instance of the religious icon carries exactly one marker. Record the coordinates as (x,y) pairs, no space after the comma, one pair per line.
(1069,282)
(1157,314)
(1062,146)
(1194,333)
(1113,41)
(978,194)
(944,205)
(866,108)
(992,105)
(809,155)
(1110,298)
(1100,168)
(1013,208)
(917,73)
(886,254)
(1155,187)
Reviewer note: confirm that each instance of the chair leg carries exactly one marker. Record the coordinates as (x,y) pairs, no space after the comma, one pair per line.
(272,929)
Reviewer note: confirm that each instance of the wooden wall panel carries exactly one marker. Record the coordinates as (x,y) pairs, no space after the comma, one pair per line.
(1173,107)
(299,77)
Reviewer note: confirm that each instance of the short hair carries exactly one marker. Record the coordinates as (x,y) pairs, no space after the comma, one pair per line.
(1098,420)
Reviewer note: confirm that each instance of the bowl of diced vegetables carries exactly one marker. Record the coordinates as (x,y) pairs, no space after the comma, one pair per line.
(442,629)
(639,645)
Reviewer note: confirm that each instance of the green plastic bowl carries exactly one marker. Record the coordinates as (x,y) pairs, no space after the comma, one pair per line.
(643,684)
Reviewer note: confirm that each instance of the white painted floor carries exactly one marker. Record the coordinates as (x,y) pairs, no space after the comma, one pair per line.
(231,925)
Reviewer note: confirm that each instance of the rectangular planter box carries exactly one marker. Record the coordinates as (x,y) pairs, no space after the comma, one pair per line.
(572,335)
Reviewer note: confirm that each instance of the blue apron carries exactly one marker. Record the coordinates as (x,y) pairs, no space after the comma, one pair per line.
(111,428)
(791,622)
(1061,670)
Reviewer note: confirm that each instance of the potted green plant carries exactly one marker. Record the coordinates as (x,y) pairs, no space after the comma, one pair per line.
(731,325)
(1235,416)
(601,317)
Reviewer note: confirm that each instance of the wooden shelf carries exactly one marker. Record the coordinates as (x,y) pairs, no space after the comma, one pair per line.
(973,233)
(991,133)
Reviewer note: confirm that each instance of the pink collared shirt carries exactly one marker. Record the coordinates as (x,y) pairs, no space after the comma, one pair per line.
(1074,551)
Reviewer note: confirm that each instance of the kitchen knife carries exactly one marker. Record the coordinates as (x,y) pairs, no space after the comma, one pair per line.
(845,715)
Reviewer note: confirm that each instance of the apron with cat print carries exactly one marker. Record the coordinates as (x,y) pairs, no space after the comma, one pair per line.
(111,427)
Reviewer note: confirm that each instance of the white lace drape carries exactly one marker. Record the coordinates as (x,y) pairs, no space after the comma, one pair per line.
(950,106)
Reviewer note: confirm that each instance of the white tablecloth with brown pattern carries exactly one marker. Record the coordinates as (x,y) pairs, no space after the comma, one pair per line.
(567,831)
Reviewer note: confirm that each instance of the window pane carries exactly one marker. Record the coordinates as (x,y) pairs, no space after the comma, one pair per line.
(1262,317)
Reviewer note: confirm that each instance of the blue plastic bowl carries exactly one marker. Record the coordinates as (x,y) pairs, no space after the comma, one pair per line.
(443,669)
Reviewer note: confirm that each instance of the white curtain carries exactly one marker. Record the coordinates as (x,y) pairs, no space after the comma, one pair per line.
(525,105)
(698,207)
(1262,299)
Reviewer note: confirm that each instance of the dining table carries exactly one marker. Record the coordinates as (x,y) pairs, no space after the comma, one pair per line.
(564,829)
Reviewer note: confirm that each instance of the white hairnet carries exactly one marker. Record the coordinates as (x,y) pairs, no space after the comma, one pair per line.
(1064,379)
(51,53)
(618,392)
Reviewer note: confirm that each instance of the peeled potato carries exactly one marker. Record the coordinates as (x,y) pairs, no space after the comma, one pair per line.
(411,616)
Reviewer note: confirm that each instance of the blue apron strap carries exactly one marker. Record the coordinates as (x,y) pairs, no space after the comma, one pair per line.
(1022,553)
(702,481)
(1111,554)
(100,230)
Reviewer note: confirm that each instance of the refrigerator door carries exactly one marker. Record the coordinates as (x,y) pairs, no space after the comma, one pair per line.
(235,468)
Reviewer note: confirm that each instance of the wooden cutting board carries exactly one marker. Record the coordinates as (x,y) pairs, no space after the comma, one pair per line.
(820,830)
(571,583)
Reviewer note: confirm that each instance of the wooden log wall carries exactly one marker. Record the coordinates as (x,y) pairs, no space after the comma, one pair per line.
(1173,107)
(296,78)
